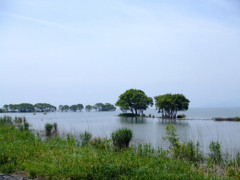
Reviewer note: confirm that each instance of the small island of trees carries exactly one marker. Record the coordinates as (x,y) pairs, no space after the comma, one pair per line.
(136,101)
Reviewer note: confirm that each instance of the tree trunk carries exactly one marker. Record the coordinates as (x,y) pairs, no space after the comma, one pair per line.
(135,111)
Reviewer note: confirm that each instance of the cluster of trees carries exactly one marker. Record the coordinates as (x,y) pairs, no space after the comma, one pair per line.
(101,107)
(27,107)
(136,101)
(80,107)
(74,108)
(44,107)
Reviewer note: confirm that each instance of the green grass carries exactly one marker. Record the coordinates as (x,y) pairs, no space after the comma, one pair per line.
(56,158)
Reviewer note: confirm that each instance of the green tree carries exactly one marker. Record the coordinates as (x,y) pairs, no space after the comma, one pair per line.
(44,107)
(98,106)
(25,107)
(134,100)
(88,108)
(73,108)
(80,107)
(108,107)
(104,107)
(170,104)
(65,108)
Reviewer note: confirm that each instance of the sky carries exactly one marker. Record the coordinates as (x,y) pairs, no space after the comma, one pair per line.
(75,51)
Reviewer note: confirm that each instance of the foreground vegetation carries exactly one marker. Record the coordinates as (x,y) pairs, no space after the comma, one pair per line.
(21,152)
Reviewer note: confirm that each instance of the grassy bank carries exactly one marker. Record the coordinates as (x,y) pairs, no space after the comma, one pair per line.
(21,152)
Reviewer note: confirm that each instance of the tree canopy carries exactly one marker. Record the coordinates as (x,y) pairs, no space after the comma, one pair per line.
(44,107)
(65,108)
(88,108)
(134,100)
(26,107)
(104,107)
(170,104)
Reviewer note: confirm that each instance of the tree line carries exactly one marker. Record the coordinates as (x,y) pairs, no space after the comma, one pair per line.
(101,107)
(27,107)
(132,102)
(44,107)
(88,108)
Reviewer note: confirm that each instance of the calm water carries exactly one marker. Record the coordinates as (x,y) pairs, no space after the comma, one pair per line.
(199,128)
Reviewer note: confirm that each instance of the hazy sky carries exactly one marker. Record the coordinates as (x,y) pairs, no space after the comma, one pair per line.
(68,52)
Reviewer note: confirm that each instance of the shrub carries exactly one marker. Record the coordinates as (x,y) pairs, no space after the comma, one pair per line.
(237,118)
(122,137)
(48,128)
(85,138)
(181,116)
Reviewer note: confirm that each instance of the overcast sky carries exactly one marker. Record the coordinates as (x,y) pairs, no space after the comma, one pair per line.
(68,52)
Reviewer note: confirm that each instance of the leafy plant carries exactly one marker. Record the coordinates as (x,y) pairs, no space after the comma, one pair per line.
(188,151)
(122,137)
(215,152)
(172,136)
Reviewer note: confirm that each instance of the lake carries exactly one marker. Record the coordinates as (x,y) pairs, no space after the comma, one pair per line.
(199,127)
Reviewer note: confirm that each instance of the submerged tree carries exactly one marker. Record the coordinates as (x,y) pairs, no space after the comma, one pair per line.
(88,108)
(80,107)
(170,104)
(104,107)
(134,100)
(73,108)
(44,107)
(65,108)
